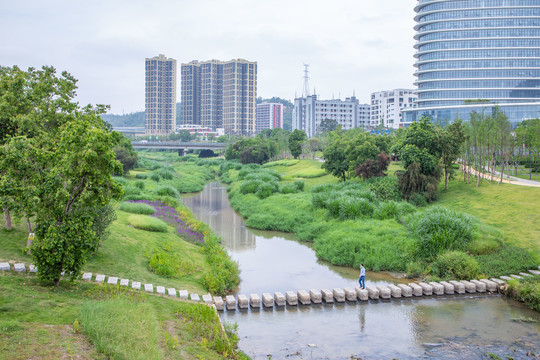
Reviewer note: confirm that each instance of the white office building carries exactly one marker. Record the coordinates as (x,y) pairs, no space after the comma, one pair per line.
(268,116)
(386,107)
(309,112)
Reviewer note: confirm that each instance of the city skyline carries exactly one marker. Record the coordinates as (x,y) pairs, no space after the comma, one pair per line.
(358,47)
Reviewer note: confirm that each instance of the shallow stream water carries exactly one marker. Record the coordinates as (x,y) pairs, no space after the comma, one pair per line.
(442,327)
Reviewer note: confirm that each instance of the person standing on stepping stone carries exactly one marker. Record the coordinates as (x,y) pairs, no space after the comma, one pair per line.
(362,279)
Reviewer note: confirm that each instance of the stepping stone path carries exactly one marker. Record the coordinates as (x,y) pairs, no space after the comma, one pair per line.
(469,286)
(171,292)
(33,268)
(255,301)
(406,290)
(395,291)
(480,286)
(426,289)
(438,289)
(448,288)
(339,295)
(149,288)
(5,266)
(218,302)
(279,299)
(19,267)
(372,293)
(362,294)
(327,295)
(124,282)
(100,278)
(303,297)
(231,302)
(183,294)
(268,300)
(416,289)
(292,298)
(350,294)
(112,280)
(160,290)
(87,276)
(207,298)
(315,296)
(195,297)
(136,285)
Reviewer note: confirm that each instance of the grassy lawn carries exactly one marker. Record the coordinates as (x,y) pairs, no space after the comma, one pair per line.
(307,170)
(39,322)
(510,208)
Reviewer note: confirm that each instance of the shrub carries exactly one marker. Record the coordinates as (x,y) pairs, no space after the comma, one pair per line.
(265,190)
(288,189)
(386,210)
(385,188)
(167,191)
(141,176)
(405,208)
(155,177)
(250,187)
(147,223)
(137,208)
(121,180)
(300,185)
(131,190)
(263,176)
(455,265)
(414,269)
(139,185)
(418,200)
(526,290)
(165,174)
(439,229)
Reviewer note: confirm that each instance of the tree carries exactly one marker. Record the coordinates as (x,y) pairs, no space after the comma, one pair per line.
(452,138)
(252,150)
(296,139)
(66,176)
(327,125)
(185,136)
(373,168)
(125,154)
(336,161)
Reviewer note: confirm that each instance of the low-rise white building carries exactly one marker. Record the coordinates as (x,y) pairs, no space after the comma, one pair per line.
(309,112)
(201,131)
(386,106)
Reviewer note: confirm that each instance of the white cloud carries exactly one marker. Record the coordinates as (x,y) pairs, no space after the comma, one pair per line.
(351,45)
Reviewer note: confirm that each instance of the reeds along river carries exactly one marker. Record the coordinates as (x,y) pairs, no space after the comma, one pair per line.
(464,327)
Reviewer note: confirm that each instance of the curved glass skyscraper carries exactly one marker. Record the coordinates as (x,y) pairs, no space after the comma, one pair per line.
(473,54)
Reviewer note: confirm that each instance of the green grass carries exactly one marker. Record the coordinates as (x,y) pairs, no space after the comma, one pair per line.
(526,290)
(144,222)
(137,208)
(512,209)
(87,321)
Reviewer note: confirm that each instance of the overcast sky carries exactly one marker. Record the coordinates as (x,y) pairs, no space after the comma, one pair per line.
(350,45)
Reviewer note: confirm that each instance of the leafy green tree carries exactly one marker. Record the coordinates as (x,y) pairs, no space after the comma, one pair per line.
(327,125)
(252,150)
(185,136)
(125,154)
(452,138)
(528,138)
(336,161)
(296,139)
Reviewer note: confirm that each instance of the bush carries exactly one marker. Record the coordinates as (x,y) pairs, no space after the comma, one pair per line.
(405,208)
(139,185)
(526,290)
(250,187)
(385,188)
(165,174)
(131,190)
(352,208)
(414,269)
(141,176)
(167,191)
(288,189)
(386,210)
(418,200)
(155,177)
(137,208)
(455,265)
(439,229)
(300,185)
(147,223)
(265,190)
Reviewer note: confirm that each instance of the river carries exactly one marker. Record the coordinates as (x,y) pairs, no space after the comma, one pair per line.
(442,327)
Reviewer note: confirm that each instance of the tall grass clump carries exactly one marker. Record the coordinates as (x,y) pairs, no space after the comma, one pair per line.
(526,290)
(223,273)
(438,229)
(386,210)
(121,329)
(141,176)
(385,188)
(266,189)
(455,265)
(155,177)
(137,208)
(165,174)
(250,187)
(167,190)
(147,223)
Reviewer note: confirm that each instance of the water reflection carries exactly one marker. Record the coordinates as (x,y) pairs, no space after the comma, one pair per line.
(442,327)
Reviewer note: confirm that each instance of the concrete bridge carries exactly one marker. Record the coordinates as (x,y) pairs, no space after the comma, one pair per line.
(181,147)
(277,300)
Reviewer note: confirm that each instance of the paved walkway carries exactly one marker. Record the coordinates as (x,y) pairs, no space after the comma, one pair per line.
(506,179)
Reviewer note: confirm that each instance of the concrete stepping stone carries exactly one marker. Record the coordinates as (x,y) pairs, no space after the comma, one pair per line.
(100,278)
(406,291)
(242,301)
(183,294)
(230,302)
(469,286)
(339,294)
(327,295)
(87,276)
(448,288)
(171,292)
(395,291)
(534,272)
(112,280)
(255,301)
(438,289)
(524,274)
(491,286)
(480,286)
(426,289)
(160,290)
(506,278)
(498,281)
(279,299)
(207,298)
(20,267)
(315,296)
(459,288)
(516,277)
(292,298)
(218,302)
(136,285)
(417,290)
(373,293)
(267,300)
(384,292)
(124,282)
(149,288)
(33,268)
(361,294)
(194,297)
(303,297)
(5,266)
(350,294)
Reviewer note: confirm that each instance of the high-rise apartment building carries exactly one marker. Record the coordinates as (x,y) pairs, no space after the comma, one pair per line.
(220,94)
(309,112)
(269,116)
(160,95)
(475,54)
(386,107)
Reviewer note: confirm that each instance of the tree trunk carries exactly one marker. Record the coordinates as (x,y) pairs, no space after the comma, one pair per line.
(445,177)
(7,219)
(29,241)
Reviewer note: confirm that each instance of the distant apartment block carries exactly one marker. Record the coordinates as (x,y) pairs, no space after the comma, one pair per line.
(387,106)
(269,116)
(309,112)
(160,95)
(220,94)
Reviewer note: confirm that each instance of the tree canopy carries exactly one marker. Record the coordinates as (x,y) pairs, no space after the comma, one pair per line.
(296,139)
